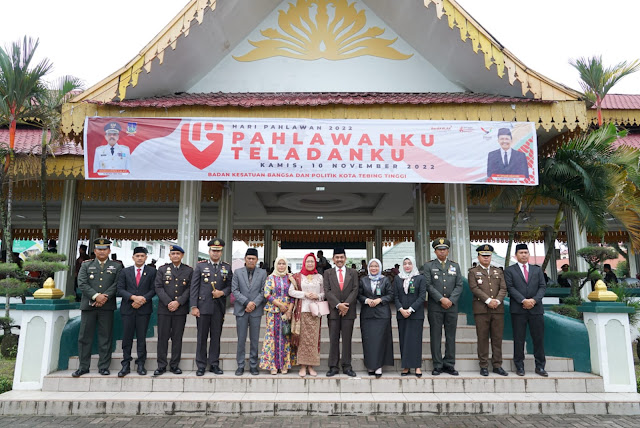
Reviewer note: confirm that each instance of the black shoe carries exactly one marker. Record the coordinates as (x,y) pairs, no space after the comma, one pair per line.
(484,371)
(349,372)
(436,372)
(450,370)
(378,375)
(200,372)
(239,371)
(407,373)
(254,371)
(418,374)
(125,371)
(542,372)
(141,370)
(500,371)
(159,371)
(79,373)
(520,371)
(216,370)
(175,370)
(371,373)
(332,372)
(104,372)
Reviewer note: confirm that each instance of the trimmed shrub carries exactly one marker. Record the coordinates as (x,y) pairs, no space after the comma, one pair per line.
(568,311)
(6,384)
(9,346)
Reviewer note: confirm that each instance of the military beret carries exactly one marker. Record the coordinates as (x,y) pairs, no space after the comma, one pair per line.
(139,250)
(338,251)
(216,244)
(521,247)
(504,131)
(251,252)
(112,127)
(176,248)
(485,250)
(102,243)
(440,243)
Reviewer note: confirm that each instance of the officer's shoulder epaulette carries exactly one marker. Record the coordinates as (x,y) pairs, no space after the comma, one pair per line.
(90,260)
(183,264)
(166,264)
(453,261)
(203,261)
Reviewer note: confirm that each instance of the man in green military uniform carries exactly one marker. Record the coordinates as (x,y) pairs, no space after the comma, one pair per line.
(172,287)
(98,281)
(210,287)
(444,286)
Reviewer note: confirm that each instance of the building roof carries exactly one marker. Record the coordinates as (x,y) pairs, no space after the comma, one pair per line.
(620,102)
(28,141)
(631,140)
(313,99)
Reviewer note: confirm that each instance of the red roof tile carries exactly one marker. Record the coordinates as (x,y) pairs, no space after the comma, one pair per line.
(313,99)
(28,142)
(631,140)
(621,102)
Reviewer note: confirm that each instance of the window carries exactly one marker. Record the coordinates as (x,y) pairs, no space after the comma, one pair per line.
(162,249)
(134,244)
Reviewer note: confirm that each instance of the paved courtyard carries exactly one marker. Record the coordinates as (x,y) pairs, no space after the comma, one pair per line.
(463,421)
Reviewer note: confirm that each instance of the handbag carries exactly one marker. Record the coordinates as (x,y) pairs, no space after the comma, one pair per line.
(286,328)
(319,309)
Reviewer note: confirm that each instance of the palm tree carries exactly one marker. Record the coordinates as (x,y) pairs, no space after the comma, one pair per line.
(596,80)
(49,114)
(19,86)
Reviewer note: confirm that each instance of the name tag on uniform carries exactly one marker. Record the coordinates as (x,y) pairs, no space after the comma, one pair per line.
(452,270)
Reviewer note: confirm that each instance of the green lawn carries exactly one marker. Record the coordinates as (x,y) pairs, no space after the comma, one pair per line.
(6,367)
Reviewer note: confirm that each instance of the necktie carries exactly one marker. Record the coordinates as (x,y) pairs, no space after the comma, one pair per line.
(138,276)
(250,276)
(215,267)
(101,265)
(443,264)
(340,279)
(526,273)
(506,161)
(112,150)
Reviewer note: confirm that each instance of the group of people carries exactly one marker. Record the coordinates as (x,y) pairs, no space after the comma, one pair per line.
(294,304)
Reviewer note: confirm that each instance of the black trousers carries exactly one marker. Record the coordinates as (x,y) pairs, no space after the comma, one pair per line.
(209,325)
(134,324)
(170,327)
(450,322)
(536,328)
(338,327)
(89,320)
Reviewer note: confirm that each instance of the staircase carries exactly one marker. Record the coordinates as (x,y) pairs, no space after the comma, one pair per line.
(564,391)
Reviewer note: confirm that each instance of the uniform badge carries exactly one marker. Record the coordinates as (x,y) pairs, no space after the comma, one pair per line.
(91,276)
(479,281)
(435,277)
(206,280)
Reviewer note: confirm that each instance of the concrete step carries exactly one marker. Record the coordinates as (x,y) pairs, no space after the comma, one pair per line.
(315,404)
(390,382)
(464,362)
(229,345)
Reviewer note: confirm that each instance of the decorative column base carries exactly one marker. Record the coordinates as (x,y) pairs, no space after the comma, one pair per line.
(39,346)
(610,343)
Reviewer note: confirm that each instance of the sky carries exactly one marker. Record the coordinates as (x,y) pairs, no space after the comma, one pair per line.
(91,40)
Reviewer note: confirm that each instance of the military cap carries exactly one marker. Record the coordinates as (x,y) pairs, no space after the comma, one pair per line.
(102,243)
(504,131)
(485,250)
(176,248)
(139,250)
(521,247)
(112,127)
(440,243)
(216,244)
(251,252)
(338,251)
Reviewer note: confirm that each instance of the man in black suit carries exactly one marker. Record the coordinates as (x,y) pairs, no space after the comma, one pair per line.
(136,287)
(210,286)
(526,286)
(506,161)
(341,291)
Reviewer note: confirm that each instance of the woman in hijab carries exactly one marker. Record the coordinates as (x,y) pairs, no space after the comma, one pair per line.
(276,347)
(410,290)
(305,332)
(375,294)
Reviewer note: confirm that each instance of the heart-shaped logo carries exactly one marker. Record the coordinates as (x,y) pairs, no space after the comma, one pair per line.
(191,132)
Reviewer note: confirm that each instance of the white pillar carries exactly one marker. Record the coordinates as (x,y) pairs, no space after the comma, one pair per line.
(378,243)
(94,233)
(610,342)
(552,269)
(457,224)
(577,239)
(421,226)
(225,219)
(68,235)
(189,220)
(633,261)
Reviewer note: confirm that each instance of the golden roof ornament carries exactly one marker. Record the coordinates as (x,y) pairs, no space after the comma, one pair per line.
(48,291)
(601,294)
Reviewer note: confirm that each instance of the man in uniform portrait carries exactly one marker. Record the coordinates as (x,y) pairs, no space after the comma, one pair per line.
(506,162)
(172,287)
(112,158)
(136,286)
(489,290)
(444,287)
(98,281)
(210,286)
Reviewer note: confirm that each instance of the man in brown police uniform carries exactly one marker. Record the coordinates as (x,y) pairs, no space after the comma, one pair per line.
(489,290)
(172,287)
